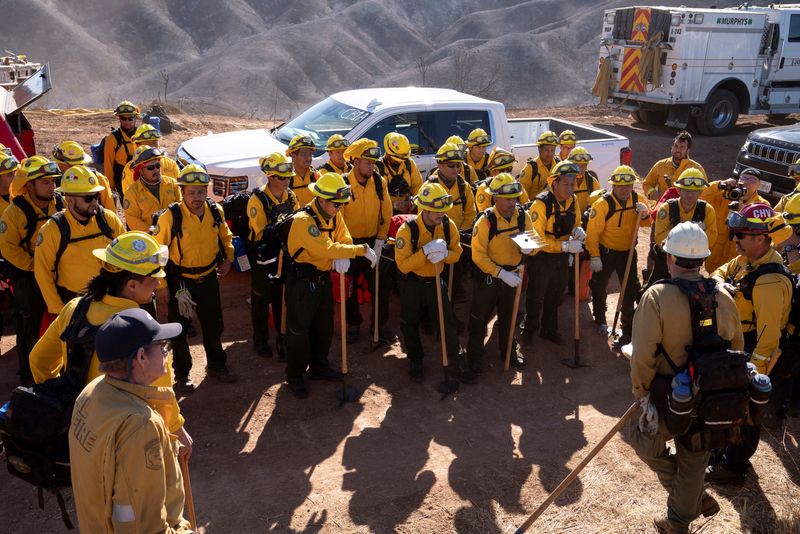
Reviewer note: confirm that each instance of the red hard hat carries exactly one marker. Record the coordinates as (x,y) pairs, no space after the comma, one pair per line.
(753,218)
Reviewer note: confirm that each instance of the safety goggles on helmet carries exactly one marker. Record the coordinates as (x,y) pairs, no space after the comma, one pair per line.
(480,140)
(8,164)
(567,138)
(194,178)
(623,179)
(451,155)
(159,259)
(5,150)
(548,140)
(580,157)
(302,142)
(282,168)
(691,181)
(342,195)
(566,168)
(502,160)
(339,144)
(739,223)
(372,152)
(48,169)
(513,188)
(794,170)
(438,203)
(146,135)
(126,109)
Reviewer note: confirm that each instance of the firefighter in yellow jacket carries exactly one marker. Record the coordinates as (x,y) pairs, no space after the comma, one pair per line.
(498,258)
(448,161)
(118,146)
(68,154)
(794,173)
(268,205)
(19,225)
(8,170)
(423,243)
(477,156)
(613,219)
(566,143)
(367,217)
(664,172)
(536,172)
(500,160)
(586,182)
(469,174)
(761,287)
(556,217)
(400,172)
(125,473)
(200,252)
(335,148)
(719,195)
(301,150)
(318,242)
(63,260)
(147,136)
(152,191)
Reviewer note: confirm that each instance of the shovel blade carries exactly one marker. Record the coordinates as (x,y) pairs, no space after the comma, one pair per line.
(348,394)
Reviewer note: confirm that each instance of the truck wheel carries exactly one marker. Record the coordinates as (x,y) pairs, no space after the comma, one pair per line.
(655,117)
(779,118)
(719,114)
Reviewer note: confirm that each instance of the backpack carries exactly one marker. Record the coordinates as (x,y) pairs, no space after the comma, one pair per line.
(721,379)
(397,185)
(460,182)
(673,209)
(235,208)
(414,227)
(491,216)
(63,228)
(282,230)
(589,179)
(35,431)
(612,205)
(32,218)
(176,232)
(266,251)
(98,152)
(564,221)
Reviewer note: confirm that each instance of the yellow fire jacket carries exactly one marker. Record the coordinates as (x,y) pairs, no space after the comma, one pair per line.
(663,225)
(366,215)
(500,252)
(582,189)
(481,171)
(330,167)
(12,232)
(534,182)
(415,261)
(299,186)
(123,460)
(407,170)
(78,265)
(5,200)
(140,203)
(544,225)
(117,154)
(662,317)
(615,233)
(257,218)
(463,212)
(654,184)
(323,243)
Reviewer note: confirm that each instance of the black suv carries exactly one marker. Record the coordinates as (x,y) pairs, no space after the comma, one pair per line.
(771,151)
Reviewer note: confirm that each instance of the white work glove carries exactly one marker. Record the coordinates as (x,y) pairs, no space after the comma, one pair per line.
(648,421)
(435,245)
(579,234)
(378,248)
(572,246)
(730,288)
(372,257)
(436,256)
(596,264)
(342,266)
(185,303)
(642,210)
(509,277)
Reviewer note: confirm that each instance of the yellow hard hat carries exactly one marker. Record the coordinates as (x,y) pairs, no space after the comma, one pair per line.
(450,152)
(145,154)
(363,148)
(336,142)
(565,168)
(126,108)
(136,252)
(791,210)
(691,179)
(456,140)
(567,138)
(623,175)
(276,164)
(79,180)
(144,133)
(397,145)
(433,197)
(38,167)
(505,186)
(478,137)
(70,153)
(547,138)
(300,141)
(193,174)
(331,186)
(579,155)
(8,163)
(5,149)
(500,158)
(779,229)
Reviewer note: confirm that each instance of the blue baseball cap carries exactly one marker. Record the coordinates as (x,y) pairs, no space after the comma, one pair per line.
(127,331)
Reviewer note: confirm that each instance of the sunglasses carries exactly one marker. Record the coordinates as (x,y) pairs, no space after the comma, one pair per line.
(193,178)
(481,140)
(508,189)
(153,167)
(372,152)
(338,144)
(740,235)
(692,181)
(88,199)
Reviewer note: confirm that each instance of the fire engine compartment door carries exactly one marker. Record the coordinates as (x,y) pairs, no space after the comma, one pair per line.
(789,62)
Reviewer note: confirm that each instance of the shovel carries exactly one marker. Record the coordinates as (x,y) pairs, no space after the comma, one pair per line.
(347,393)
(448,385)
(514,311)
(376,342)
(187,489)
(576,361)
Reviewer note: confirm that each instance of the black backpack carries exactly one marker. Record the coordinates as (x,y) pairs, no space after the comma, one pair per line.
(63,227)
(460,182)
(721,379)
(674,212)
(98,154)
(564,221)
(491,216)
(266,251)
(176,232)
(32,218)
(397,185)
(35,431)
(282,230)
(235,208)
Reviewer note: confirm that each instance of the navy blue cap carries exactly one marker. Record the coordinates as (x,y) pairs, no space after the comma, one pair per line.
(127,331)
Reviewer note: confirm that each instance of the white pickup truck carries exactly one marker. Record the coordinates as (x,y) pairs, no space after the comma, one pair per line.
(425,115)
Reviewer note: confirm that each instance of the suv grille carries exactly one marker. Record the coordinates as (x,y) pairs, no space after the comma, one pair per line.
(771,153)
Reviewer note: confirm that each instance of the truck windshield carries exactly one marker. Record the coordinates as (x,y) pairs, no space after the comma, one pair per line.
(321,121)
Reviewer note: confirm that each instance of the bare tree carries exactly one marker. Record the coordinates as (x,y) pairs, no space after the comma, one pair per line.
(422,68)
(463,64)
(165,78)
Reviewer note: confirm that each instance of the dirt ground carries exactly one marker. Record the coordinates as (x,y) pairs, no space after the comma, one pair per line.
(401,459)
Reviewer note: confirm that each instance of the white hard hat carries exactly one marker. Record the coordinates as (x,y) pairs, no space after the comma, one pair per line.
(687,240)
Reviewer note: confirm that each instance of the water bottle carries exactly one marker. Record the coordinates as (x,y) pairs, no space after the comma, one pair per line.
(752,370)
(682,379)
(760,388)
(679,415)
(241,262)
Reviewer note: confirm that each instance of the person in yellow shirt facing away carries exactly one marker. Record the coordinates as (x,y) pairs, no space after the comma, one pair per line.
(151,191)
(400,172)
(200,252)
(335,147)
(147,136)
(318,242)
(68,154)
(498,259)
(63,262)
(477,156)
(664,172)
(269,205)
(613,219)
(301,150)
(566,143)
(118,146)
(536,172)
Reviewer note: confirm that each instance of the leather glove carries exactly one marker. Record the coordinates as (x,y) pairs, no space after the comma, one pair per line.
(642,210)
(371,256)
(342,266)
(510,278)
(579,234)
(378,248)
(572,246)
(436,244)
(185,303)
(648,421)
(596,264)
(761,363)
(436,256)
